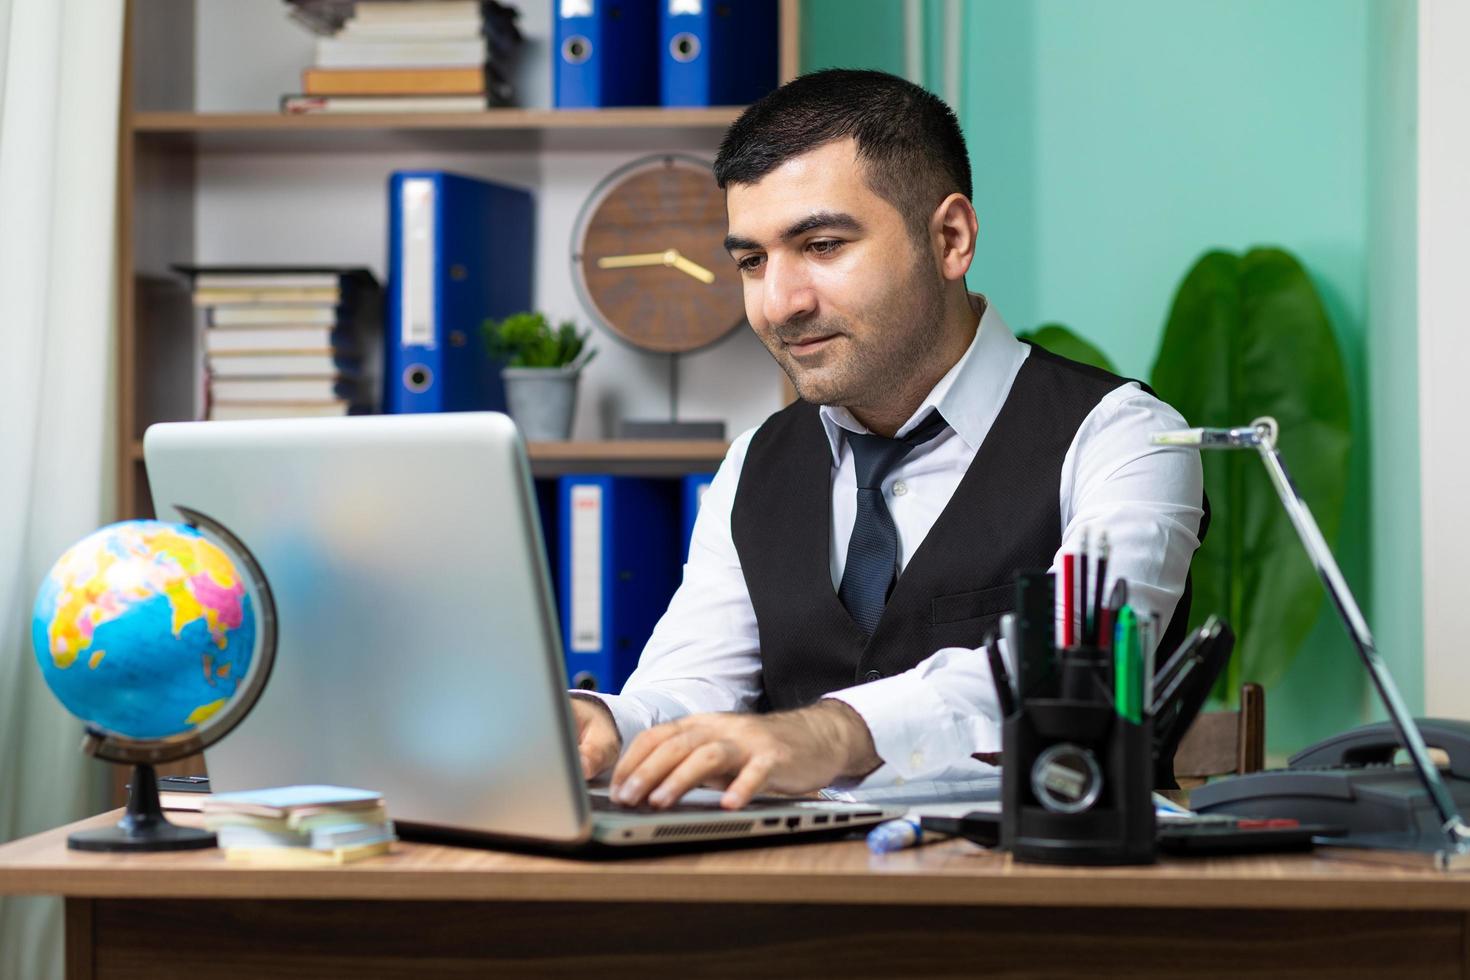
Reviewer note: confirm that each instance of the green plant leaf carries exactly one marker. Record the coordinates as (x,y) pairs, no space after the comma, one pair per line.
(1064,343)
(1248,336)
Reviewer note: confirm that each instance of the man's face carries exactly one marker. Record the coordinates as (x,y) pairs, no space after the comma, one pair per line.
(836,286)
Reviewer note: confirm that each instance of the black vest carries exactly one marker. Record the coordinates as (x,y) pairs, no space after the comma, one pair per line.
(1004,518)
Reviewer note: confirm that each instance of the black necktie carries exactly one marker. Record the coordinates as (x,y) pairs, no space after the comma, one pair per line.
(872,551)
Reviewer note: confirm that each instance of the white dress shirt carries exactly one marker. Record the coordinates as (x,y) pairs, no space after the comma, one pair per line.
(704,654)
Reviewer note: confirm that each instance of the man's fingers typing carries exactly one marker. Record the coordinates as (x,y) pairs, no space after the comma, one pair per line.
(653,768)
(644,744)
(752,780)
(707,761)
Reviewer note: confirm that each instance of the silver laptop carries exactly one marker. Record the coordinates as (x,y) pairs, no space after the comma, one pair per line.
(419,652)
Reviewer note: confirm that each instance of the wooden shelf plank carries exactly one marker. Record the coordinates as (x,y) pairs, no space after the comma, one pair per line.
(543,119)
(635,457)
(515,129)
(688,450)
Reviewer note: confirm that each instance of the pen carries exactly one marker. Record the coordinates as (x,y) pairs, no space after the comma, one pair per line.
(1117,600)
(1083,559)
(895,835)
(1128,668)
(1148,637)
(1004,695)
(1097,598)
(1068,585)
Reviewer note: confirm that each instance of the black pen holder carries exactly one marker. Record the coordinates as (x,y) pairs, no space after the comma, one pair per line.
(1076,778)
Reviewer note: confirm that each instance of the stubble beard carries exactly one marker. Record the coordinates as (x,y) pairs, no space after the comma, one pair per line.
(878,366)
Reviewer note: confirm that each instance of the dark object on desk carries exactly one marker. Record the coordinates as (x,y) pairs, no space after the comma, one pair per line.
(1180,839)
(980,827)
(1078,763)
(186,793)
(1350,779)
(656,429)
(1241,837)
(1181,687)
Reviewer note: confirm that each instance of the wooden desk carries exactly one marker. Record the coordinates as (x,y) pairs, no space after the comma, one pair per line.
(831,909)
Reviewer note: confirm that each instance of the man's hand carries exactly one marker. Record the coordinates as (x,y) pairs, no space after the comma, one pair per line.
(598,741)
(789,752)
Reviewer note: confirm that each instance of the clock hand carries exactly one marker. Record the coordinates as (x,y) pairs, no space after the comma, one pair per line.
(669,257)
(632,261)
(694,269)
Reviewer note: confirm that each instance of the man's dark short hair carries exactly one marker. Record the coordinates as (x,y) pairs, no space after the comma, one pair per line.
(908,139)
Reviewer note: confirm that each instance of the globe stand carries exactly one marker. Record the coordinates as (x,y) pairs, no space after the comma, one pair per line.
(143,827)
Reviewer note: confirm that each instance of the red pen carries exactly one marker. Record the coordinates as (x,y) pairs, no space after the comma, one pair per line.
(1069,563)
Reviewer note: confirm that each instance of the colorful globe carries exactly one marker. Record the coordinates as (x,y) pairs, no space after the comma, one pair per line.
(144,629)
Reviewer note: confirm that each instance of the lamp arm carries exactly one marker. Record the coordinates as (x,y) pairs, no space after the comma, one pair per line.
(1451,823)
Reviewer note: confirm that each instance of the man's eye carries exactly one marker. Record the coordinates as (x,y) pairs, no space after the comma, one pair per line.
(826,246)
(749,263)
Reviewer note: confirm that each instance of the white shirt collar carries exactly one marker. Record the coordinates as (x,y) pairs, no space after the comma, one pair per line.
(969,396)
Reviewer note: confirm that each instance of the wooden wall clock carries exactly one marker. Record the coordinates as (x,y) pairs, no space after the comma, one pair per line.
(648,256)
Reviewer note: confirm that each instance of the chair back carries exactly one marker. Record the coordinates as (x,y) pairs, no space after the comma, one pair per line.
(1222,743)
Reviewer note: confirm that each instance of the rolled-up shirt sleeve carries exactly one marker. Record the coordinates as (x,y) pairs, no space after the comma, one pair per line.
(927,722)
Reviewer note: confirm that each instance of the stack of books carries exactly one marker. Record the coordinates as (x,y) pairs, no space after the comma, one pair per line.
(300,824)
(407,56)
(288,342)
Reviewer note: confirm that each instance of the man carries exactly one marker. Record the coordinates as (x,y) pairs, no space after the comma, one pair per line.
(852,552)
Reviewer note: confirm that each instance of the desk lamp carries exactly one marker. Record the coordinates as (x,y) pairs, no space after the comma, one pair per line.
(1452,852)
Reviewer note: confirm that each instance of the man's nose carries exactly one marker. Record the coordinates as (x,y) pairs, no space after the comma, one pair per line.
(788,292)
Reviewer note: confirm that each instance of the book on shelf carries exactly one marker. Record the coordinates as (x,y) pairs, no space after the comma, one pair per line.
(305,105)
(393,81)
(301,364)
(383,49)
(281,339)
(339,52)
(254,315)
(236,411)
(251,277)
(286,390)
(228,296)
(268,352)
(401,11)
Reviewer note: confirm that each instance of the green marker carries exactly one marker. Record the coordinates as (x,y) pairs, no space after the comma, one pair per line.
(1128,668)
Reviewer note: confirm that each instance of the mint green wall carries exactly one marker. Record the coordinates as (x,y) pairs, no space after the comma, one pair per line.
(1113,143)
(852,34)
(1393,367)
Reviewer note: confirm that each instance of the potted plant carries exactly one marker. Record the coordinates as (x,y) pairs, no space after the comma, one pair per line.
(540,370)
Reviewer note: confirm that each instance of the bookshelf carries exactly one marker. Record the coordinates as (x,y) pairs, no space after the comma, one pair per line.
(178,161)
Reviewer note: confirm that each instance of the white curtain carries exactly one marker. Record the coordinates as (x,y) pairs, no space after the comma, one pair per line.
(60,67)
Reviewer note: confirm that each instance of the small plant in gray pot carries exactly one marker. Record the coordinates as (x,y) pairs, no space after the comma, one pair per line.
(542,365)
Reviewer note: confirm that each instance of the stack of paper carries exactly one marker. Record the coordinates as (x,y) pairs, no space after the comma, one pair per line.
(300,824)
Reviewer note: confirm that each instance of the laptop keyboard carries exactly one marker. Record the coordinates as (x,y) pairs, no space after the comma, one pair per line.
(601,804)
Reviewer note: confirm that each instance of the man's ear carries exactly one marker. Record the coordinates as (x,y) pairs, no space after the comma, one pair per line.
(953,228)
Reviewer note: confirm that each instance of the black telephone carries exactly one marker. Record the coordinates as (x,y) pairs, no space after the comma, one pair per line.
(1350,780)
